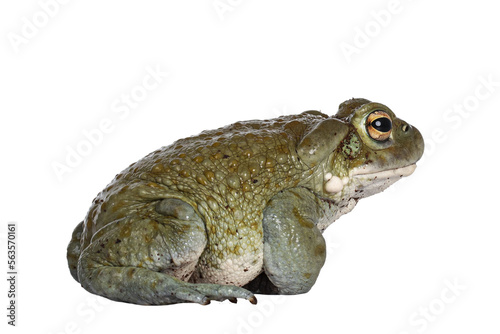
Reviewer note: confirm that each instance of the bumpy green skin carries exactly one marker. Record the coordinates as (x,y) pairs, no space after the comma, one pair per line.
(234,211)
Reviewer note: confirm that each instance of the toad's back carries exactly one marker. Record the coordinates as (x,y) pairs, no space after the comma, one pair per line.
(228,175)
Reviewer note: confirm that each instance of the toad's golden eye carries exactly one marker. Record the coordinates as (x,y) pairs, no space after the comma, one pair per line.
(379,125)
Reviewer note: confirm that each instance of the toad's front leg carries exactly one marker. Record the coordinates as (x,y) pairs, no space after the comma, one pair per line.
(294,249)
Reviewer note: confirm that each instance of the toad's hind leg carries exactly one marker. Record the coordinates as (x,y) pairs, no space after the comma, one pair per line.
(148,260)
(74,250)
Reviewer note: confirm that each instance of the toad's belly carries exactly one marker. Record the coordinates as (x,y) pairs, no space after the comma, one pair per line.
(232,269)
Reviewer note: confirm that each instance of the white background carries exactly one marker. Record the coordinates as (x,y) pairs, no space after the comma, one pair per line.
(390,261)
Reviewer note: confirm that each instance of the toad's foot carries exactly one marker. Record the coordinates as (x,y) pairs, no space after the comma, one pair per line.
(203,293)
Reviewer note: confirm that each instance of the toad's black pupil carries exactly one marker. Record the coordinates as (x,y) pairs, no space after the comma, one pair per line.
(382,124)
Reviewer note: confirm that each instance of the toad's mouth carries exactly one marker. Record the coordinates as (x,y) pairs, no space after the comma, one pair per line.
(365,172)
(366,178)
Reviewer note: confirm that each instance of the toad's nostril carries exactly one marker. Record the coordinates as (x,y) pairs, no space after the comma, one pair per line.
(405,127)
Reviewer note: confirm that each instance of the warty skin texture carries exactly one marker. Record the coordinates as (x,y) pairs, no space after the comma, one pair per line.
(240,206)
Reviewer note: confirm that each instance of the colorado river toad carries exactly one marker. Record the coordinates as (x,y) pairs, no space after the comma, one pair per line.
(238,210)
